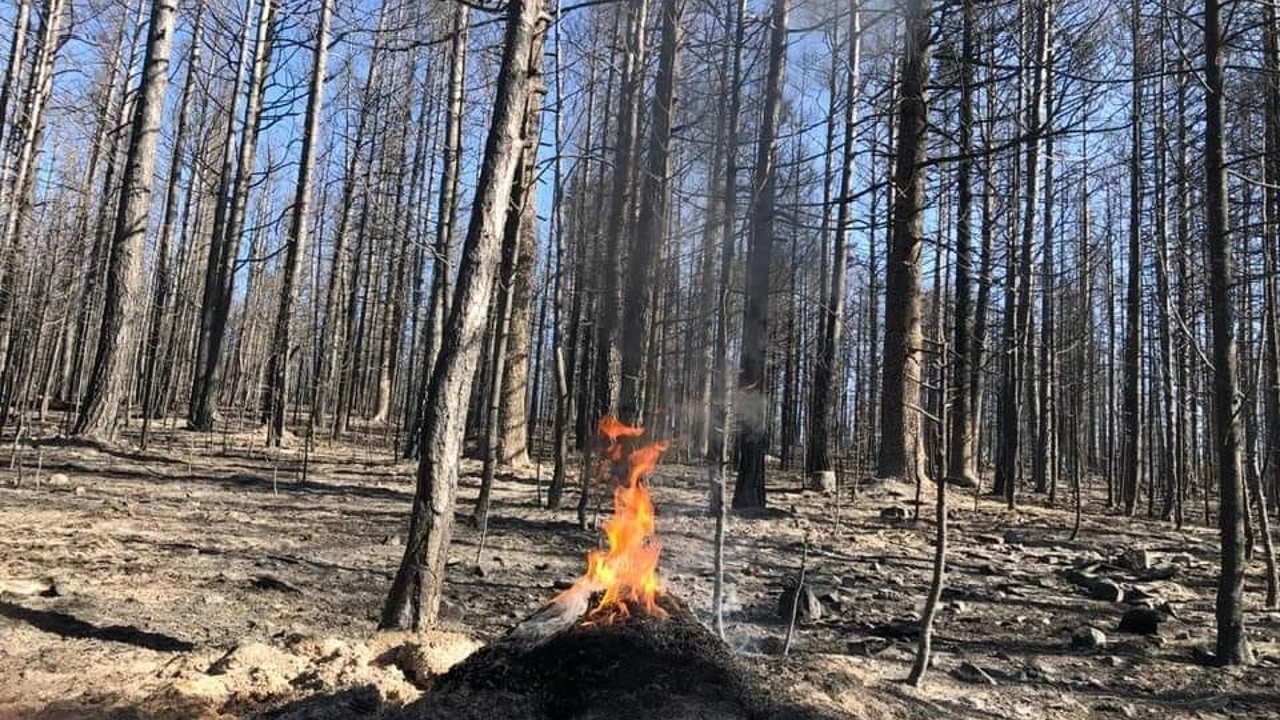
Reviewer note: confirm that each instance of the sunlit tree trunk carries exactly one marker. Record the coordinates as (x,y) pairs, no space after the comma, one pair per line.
(122,316)
(416,592)
(901,450)
(278,362)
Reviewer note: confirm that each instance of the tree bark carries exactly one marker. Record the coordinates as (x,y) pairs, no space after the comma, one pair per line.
(416,592)
(900,447)
(828,375)
(108,389)
(277,395)
(1232,641)
(753,398)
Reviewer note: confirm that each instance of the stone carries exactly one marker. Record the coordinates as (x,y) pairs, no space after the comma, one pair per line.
(868,646)
(823,481)
(57,479)
(1141,621)
(896,512)
(1088,638)
(808,607)
(1137,559)
(970,673)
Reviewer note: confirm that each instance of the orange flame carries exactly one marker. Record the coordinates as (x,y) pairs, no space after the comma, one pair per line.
(627,572)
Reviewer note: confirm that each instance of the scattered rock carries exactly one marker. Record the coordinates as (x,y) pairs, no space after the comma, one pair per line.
(1141,621)
(1137,559)
(79,490)
(970,673)
(957,606)
(1114,708)
(986,539)
(896,512)
(902,629)
(562,584)
(809,608)
(27,588)
(823,481)
(1088,638)
(57,479)
(271,582)
(1096,587)
(868,646)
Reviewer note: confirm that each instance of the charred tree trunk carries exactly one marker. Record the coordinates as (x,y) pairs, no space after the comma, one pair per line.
(828,370)
(438,303)
(416,592)
(277,395)
(901,450)
(753,397)
(650,231)
(1232,642)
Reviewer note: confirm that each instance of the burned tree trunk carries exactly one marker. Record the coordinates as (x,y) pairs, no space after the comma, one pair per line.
(1232,643)
(900,446)
(416,592)
(277,395)
(753,437)
(828,385)
(650,231)
(108,386)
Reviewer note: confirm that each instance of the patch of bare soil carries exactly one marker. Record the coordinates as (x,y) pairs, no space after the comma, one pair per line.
(200,579)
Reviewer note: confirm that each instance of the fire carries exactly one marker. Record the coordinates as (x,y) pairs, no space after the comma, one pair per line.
(626,572)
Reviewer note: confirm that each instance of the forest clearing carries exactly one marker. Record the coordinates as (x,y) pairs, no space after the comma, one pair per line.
(164,563)
(686,359)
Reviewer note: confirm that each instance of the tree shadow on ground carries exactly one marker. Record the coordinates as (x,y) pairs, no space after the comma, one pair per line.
(69,626)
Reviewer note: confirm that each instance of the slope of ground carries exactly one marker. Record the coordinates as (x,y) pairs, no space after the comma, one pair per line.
(200,579)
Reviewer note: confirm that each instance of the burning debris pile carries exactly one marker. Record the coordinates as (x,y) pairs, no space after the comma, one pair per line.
(614,645)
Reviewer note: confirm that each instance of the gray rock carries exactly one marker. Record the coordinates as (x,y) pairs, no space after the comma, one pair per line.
(823,481)
(867,647)
(896,512)
(1088,638)
(808,608)
(970,673)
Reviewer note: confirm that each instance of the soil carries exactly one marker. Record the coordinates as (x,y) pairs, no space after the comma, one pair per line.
(201,579)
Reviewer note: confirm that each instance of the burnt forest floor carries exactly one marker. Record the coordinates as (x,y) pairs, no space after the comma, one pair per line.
(199,579)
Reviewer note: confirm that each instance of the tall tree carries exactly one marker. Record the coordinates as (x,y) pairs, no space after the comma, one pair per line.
(753,397)
(655,193)
(827,370)
(123,314)
(1232,641)
(276,399)
(901,451)
(961,468)
(418,587)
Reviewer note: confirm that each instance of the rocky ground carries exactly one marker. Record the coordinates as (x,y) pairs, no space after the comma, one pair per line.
(200,579)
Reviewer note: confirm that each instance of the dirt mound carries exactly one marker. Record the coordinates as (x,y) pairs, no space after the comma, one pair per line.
(390,669)
(642,666)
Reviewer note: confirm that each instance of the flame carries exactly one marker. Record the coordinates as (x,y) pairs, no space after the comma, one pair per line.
(627,571)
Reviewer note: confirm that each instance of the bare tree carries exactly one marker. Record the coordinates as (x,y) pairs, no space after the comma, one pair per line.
(752,403)
(123,314)
(1232,642)
(416,592)
(901,450)
(276,398)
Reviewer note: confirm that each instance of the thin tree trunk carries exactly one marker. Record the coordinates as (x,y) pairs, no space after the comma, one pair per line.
(828,377)
(1232,641)
(753,396)
(277,395)
(416,592)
